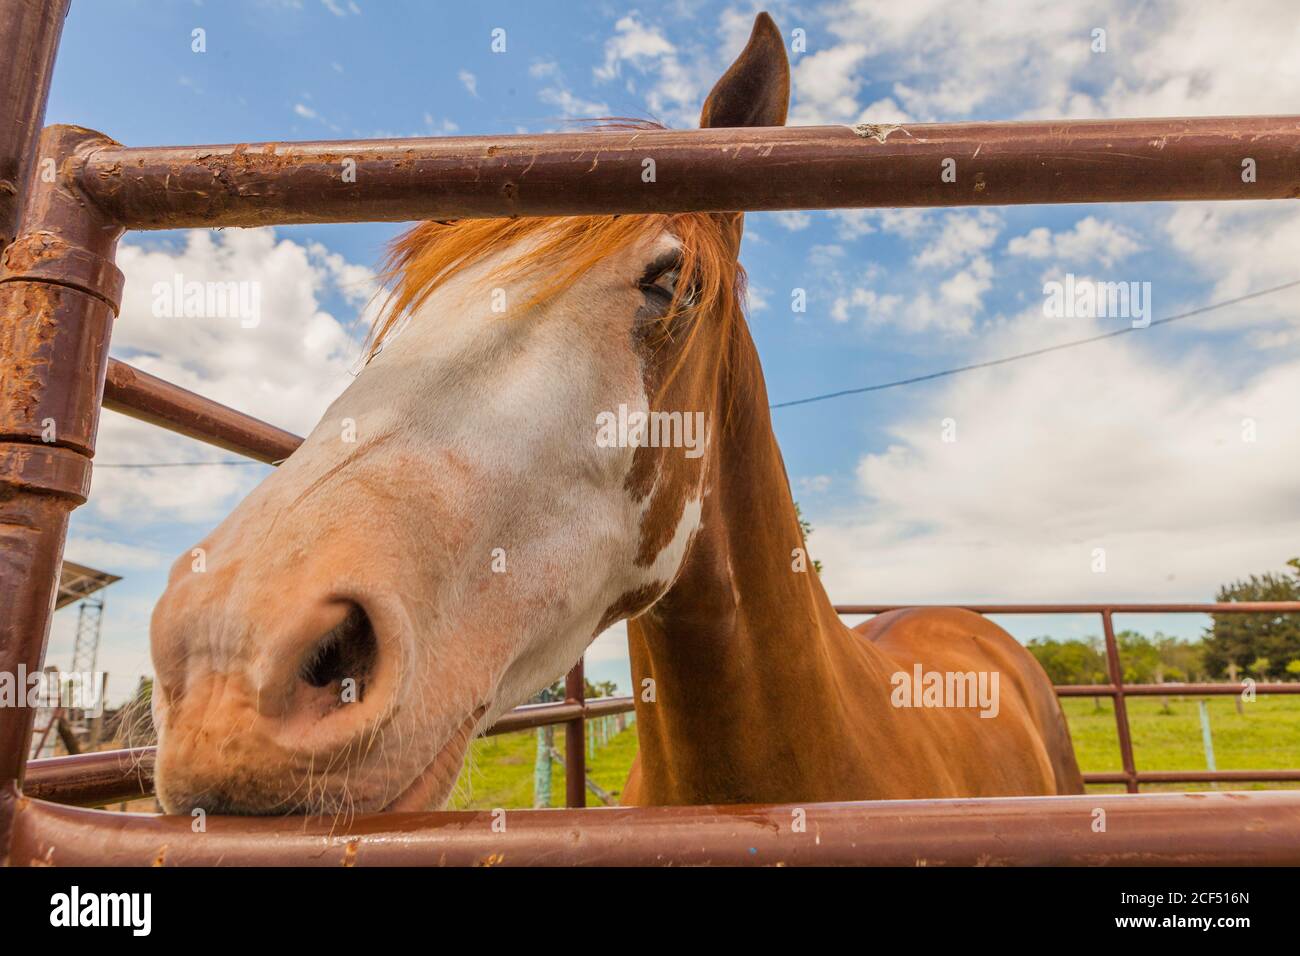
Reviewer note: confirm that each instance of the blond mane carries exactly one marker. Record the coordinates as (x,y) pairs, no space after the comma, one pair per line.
(561,250)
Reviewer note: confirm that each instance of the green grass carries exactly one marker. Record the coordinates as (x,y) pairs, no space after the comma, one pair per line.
(1265,736)
(499,772)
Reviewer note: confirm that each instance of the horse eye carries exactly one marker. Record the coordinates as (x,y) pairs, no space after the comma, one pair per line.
(665,283)
(659,281)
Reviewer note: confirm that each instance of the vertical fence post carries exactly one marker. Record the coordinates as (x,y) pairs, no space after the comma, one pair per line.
(59,292)
(29,41)
(575,744)
(1121,707)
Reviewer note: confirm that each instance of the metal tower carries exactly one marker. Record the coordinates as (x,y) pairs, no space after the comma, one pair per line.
(77,583)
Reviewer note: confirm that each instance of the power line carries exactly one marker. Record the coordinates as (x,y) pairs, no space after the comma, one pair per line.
(916,379)
(176,464)
(1030,354)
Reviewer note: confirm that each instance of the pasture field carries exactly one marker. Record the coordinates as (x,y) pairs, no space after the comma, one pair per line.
(1265,736)
(499,771)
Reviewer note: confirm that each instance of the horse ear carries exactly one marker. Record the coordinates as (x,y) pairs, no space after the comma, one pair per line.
(755,91)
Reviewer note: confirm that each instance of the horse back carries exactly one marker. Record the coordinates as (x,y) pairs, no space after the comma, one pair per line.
(1029,716)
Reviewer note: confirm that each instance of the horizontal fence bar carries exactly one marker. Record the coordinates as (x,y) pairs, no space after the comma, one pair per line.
(111,776)
(712,170)
(88,779)
(1196,776)
(1229,829)
(1118,690)
(1221,607)
(132,392)
(92,779)
(1173,690)
(540,715)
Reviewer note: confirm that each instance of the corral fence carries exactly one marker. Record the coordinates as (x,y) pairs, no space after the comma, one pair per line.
(60,290)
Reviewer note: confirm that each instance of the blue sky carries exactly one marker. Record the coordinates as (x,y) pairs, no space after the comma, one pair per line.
(1137,446)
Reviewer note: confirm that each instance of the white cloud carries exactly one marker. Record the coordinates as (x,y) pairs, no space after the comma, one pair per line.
(111,556)
(853,224)
(469,81)
(1091,240)
(677,79)
(1116,446)
(793,219)
(633,43)
(1033,58)
(915,304)
(908,223)
(1241,248)
(571,105)
(825,85)
(963,236)
(814,484)
(285,370)
(444,126)
(875,308)
(610,645)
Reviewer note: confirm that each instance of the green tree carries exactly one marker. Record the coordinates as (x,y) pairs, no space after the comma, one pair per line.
(1181,660)
(1242,639)
(1083,661)
(806,527)
(606,688)
(1071,662)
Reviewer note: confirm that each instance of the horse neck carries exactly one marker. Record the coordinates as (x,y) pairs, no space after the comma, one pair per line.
(743,648)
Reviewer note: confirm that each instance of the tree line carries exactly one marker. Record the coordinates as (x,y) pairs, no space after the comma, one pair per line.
(1263,646)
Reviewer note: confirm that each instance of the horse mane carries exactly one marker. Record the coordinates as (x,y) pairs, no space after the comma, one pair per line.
(562,249)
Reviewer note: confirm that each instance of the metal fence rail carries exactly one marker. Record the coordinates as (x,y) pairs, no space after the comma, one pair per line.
(110,776)
(1145,829)
(708,170)
(60,290)
(1119,691)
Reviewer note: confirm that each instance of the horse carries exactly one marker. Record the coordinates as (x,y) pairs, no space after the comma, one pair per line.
(513,470)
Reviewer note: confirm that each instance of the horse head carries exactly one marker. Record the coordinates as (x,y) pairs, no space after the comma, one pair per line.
(521,463)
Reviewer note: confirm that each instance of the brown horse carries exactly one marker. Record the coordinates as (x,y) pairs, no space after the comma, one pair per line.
(563,424)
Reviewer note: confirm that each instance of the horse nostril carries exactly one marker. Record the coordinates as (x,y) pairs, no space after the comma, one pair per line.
(347,651)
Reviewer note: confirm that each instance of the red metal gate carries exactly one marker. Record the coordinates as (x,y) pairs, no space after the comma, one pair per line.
(60,290)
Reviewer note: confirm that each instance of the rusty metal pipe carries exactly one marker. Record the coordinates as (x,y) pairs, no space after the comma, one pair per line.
(1152,829)
(575,740)
(59,292)
(1197,776)
(1172,690)
(1116,671)
(132,392)
(95,779)
(92,779)
(711,170)
(1223,607)
(29,41)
